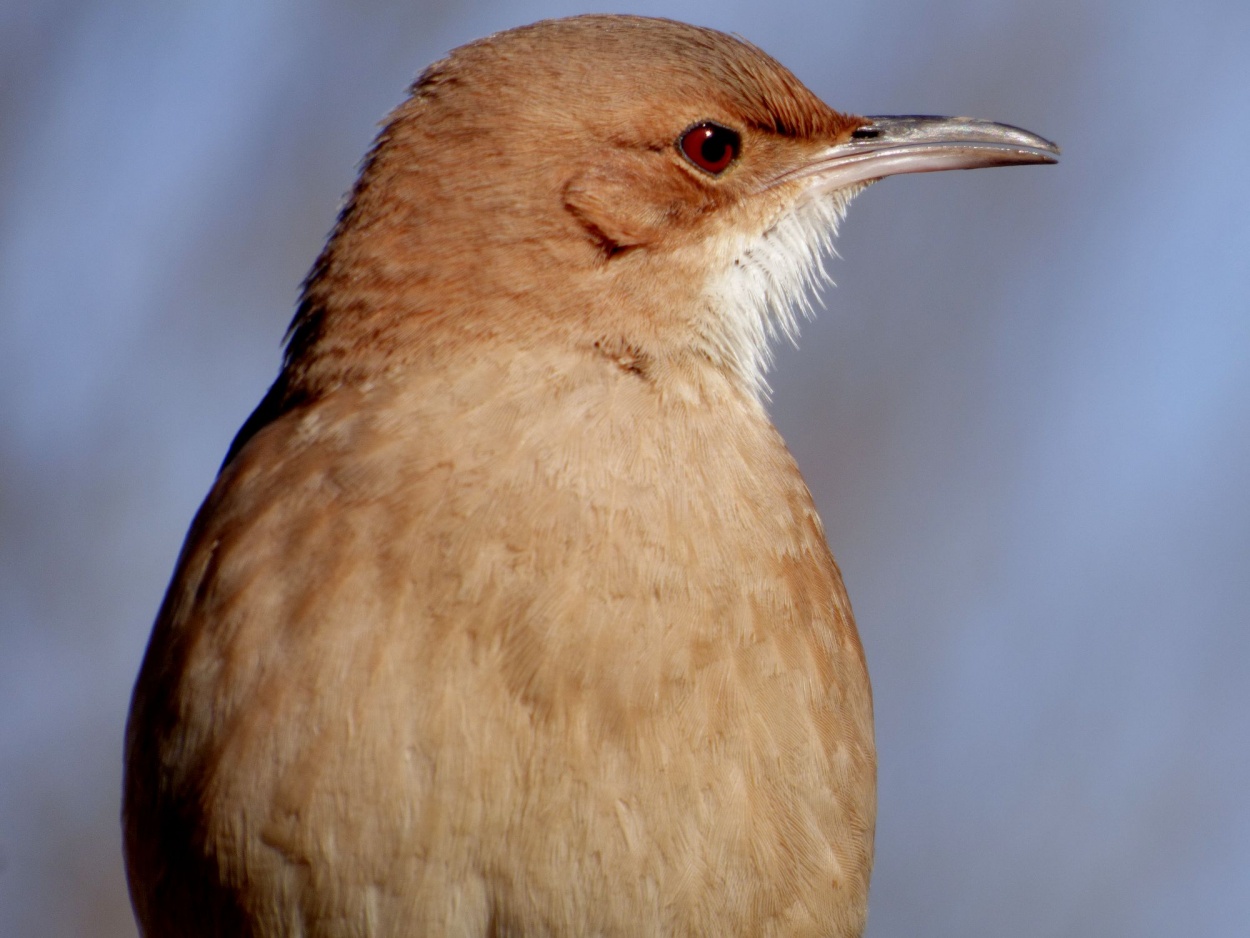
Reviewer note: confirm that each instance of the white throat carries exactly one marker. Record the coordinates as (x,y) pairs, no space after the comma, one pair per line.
(768,280)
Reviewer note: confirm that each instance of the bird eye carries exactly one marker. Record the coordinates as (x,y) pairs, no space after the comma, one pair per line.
(710,147)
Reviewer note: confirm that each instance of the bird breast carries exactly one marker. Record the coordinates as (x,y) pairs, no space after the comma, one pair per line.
(588,595)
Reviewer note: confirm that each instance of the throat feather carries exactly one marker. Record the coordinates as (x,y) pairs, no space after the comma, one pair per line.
(769,282)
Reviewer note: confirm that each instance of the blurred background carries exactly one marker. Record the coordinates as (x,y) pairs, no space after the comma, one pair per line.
(1024,411)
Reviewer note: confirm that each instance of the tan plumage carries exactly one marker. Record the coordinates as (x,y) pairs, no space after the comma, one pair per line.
(509,613)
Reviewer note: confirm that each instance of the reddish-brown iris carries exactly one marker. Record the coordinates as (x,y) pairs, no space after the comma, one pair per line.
(710,147)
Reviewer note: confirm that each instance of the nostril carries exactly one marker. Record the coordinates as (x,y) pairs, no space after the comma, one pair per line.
(865,133)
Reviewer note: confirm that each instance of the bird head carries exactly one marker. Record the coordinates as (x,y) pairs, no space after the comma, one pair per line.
(636,186)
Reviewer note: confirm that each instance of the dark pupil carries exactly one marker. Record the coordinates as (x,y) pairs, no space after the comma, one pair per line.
(714,147)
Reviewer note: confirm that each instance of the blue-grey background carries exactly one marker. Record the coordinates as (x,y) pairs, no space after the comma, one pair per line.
(1025,413)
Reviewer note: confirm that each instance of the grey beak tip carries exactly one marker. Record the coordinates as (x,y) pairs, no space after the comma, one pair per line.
(931,130)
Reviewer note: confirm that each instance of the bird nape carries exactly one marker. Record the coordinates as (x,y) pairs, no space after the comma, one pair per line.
(509,613)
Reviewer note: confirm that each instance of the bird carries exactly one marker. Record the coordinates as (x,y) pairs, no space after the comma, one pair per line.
(509,613)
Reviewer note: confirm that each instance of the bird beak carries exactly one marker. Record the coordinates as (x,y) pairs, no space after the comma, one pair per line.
(889,146)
